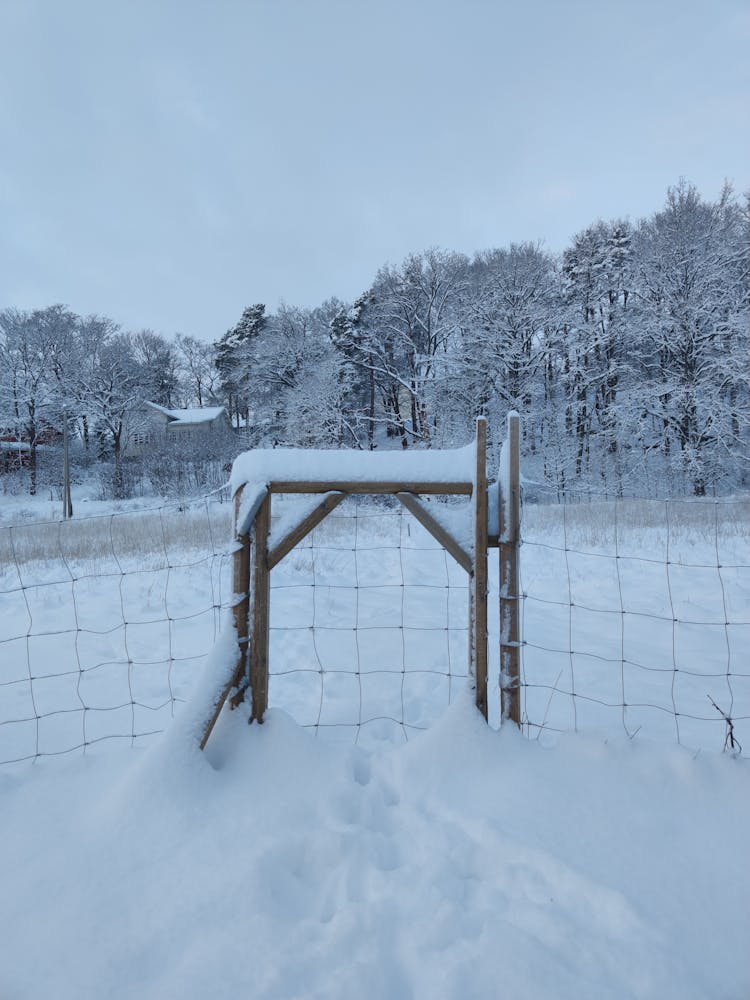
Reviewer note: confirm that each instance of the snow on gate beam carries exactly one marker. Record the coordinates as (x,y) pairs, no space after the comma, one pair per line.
(299,470)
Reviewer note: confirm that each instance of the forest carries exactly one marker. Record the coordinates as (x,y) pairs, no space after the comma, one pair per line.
(626,356)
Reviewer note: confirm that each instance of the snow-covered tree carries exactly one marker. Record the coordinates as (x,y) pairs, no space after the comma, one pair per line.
(158,361)
(36,372)
(114,391)
(597,287)
(511,305)
(692,260)
(410,317)
(233,360)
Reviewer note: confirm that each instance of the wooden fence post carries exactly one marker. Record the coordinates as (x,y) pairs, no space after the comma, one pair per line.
(478,585)
(240,613)
(510,535)
(260,595)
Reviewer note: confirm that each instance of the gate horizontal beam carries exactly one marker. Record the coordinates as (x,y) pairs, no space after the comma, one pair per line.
(298,486)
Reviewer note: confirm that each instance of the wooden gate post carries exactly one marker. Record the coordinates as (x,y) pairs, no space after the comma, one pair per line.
(478,583)
(240,613)
(510,536)
(260,598)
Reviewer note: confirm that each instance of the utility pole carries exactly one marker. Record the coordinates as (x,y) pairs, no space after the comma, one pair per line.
(67,502)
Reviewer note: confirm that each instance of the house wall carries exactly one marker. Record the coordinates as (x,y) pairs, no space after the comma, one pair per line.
(154,428)
(150,433)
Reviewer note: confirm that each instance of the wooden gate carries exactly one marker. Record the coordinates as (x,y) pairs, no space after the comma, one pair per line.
(495,520)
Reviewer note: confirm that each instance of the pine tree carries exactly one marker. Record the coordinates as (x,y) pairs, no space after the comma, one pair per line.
(233,362)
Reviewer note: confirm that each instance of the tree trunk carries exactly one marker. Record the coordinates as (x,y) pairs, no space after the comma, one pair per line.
(371,428)
(118,484)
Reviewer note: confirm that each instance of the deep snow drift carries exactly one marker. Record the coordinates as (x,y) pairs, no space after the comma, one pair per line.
(468,863)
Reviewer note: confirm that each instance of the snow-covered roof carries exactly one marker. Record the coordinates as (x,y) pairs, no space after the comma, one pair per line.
(190,415)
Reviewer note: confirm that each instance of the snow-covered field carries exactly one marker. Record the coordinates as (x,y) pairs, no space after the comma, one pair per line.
(464,862)
(468,863)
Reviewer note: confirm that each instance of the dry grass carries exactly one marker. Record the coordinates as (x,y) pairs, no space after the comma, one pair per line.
(603,525)
(152,537)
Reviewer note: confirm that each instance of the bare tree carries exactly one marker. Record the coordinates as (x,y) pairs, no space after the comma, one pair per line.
(197,361)
(30,348)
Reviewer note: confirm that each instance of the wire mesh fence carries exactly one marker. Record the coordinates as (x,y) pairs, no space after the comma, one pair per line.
(636,613)
(369,625)
(635,617)
(103,621)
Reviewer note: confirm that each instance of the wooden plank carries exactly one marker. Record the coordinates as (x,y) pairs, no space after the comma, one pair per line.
(510,632)
(260,595)
(323,486)
(438,532)
(479,583)
(255,496)
(240,589)
(285,546)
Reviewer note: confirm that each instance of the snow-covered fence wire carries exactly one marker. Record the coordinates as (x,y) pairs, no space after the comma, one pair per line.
(636,615)
(103,622)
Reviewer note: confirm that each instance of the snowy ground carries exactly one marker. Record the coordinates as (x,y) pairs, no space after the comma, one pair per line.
(468,863)
(464,863)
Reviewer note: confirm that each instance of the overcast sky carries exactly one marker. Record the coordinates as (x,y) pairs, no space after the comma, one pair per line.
(168,163)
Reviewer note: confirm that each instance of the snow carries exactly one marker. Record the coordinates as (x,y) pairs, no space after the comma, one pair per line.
(217,672)
(469,863)
(465,863)
(252,497)
(267,465)
(197,415)
(190,415)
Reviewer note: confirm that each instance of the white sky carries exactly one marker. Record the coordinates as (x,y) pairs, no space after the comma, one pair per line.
(168,162)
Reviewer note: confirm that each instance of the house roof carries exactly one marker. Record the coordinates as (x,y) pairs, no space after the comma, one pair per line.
(190,415)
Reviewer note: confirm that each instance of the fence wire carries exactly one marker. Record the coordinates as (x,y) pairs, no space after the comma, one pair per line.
(637,612)
(635,617)
(103,622)
(369,625)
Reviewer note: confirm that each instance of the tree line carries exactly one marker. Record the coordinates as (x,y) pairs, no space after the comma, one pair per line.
(627,356)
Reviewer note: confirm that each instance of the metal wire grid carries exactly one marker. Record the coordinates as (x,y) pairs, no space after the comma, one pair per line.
(644,619)
(369,626)
(639,609)
(102,623)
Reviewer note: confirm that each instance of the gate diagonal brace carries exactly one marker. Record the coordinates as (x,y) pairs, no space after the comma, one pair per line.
(313,519)
(438,532)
